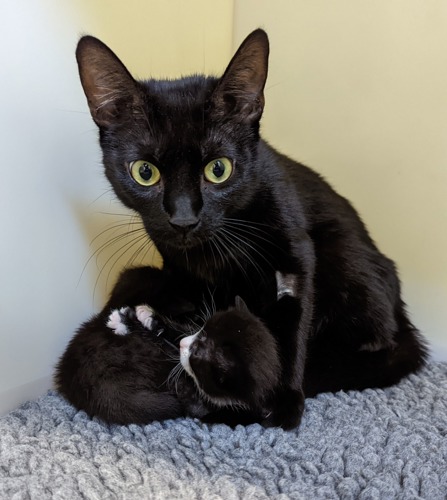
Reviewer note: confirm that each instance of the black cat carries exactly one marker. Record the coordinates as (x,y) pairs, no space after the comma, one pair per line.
(226,211)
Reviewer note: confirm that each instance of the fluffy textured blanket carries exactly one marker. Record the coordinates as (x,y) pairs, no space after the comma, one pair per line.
(375,444)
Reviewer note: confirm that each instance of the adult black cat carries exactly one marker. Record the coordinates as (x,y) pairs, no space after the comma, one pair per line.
(226,211)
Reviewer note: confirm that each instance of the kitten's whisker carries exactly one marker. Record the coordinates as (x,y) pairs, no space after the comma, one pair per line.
(213,302)
(172,376)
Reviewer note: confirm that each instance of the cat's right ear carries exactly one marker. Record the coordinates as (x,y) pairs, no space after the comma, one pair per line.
(111,91)
(240,304)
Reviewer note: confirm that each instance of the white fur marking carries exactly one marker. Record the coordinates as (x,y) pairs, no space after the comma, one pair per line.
(115,323)
(145,315)
(285,284)
(185,345)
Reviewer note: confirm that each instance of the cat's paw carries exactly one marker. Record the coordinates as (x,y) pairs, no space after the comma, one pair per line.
(145,316)
(117,321)
(288,410)
(285,284)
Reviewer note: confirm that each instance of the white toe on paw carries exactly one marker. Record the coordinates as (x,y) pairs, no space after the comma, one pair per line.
(145,315)
(115,322)
(286,284)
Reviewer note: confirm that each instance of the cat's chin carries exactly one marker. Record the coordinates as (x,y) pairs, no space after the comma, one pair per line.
(181,244)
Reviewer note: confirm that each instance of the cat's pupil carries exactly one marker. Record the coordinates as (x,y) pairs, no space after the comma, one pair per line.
(218,168)
(145,172)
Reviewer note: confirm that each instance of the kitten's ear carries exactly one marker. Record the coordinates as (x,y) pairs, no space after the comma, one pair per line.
(240,304)
(240,91)
(111,92)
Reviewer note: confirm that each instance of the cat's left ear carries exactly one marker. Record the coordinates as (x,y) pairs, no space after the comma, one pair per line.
(240,91)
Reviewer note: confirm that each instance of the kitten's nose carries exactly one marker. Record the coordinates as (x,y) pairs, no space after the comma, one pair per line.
(186,342)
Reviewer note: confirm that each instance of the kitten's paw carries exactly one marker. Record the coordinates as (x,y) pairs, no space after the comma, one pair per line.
(287,411)
(116,321)
(145,316)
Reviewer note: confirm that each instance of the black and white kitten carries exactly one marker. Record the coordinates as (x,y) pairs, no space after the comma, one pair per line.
(226,211)
(232,361)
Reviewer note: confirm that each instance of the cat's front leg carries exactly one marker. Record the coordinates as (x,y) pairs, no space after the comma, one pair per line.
(287,409)
(287,403)
(289,320)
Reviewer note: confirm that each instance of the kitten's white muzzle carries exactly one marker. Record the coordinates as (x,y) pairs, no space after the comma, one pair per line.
(185,345)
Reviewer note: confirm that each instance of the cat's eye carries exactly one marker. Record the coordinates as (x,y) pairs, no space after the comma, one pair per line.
(144,172)
(219,170)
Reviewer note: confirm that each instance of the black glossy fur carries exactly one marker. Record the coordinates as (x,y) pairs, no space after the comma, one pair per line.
(345,329)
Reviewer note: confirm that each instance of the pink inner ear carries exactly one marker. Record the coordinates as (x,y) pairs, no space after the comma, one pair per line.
(109,87)
(240,90)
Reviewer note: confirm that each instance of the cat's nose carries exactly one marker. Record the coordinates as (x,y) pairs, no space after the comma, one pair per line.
(183,214)
(184,224)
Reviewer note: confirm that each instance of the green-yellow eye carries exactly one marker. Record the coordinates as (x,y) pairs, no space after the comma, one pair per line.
(219,170)
(144,172)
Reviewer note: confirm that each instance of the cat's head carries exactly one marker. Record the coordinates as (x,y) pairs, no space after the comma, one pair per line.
(234,359)
(182,153)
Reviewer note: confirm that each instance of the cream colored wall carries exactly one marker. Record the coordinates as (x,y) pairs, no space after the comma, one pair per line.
(53,198)
(358,91)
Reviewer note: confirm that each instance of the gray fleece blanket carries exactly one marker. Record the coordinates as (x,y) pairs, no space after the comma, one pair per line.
(375,444)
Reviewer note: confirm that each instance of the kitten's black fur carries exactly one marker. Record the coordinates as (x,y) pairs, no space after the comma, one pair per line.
(235,363)
(350,329)
(232,361)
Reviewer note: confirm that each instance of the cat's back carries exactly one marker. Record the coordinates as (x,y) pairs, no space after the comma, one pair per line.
(322,207)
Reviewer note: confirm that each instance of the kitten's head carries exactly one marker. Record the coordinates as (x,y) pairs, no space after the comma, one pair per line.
(234,360)
(182,153)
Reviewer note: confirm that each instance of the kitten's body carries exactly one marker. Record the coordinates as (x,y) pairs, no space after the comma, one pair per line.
(347,327)
(232,367)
